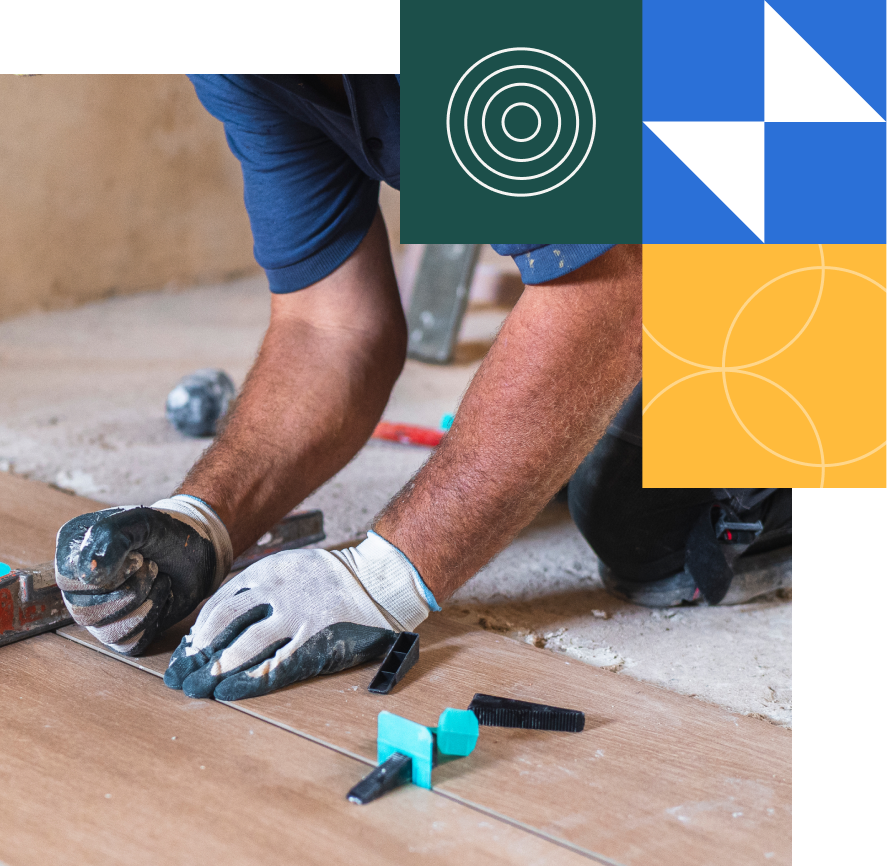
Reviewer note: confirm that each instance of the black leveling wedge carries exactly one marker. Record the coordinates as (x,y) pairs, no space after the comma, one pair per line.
(508,713)
(404,653)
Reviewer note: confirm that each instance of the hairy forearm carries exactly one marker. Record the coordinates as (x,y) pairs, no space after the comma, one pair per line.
(565,360)
(298,421)
(318,387)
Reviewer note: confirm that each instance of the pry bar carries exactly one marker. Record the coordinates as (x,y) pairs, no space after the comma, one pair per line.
(30,603)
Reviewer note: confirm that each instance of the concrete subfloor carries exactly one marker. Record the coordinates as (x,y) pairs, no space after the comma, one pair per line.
(82,396)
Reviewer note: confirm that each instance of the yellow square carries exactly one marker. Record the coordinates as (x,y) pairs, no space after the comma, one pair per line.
(764,365)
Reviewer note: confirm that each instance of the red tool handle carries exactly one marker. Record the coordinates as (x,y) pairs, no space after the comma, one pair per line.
(408,434)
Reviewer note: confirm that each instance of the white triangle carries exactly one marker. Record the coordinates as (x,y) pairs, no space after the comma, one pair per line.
(727,156)
(800,86)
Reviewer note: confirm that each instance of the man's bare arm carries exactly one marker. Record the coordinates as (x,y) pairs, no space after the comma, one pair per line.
(323,375)
(567,357)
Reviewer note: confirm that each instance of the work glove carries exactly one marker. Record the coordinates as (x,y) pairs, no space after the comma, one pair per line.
(129,573)
(298,614)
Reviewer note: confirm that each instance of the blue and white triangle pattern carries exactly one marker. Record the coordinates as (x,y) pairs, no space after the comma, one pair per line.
(776,110)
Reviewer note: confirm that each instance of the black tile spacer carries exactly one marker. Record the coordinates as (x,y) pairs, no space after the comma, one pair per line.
(397,770)
(404,653)
(509,713)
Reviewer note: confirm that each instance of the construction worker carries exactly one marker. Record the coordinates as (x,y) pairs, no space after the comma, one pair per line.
(313,151)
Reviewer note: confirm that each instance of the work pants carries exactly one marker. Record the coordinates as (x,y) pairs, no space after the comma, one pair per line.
(641,534)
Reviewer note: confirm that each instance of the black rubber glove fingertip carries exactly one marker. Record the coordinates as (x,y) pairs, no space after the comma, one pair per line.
(181,665)
(238,687)
(172,679)
(200,684)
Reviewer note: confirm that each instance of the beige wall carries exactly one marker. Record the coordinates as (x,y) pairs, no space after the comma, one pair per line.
(112,184)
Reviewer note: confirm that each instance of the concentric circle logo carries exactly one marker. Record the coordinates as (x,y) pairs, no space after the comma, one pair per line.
(521,122)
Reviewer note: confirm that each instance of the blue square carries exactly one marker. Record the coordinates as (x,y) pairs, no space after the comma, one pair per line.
(703,60)
(825,183)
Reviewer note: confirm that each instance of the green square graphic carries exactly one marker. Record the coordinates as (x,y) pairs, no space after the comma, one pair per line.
(521,120)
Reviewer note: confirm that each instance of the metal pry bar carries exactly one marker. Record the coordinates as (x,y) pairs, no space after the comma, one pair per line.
(295,530)
(508,713)
(30,603)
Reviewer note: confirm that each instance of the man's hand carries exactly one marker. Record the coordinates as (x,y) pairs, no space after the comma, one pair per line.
(296,615)
(323,376)
(129,573)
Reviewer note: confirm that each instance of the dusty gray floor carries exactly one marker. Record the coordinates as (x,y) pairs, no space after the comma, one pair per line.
(81,406)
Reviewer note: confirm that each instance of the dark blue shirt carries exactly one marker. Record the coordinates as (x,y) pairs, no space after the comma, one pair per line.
(311,172)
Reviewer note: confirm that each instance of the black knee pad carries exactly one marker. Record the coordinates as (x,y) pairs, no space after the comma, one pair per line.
(640,534)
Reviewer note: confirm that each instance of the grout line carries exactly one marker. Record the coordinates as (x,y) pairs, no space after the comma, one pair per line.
(470,804)
(528,828)
(277,724)
(127,660)
(477,807)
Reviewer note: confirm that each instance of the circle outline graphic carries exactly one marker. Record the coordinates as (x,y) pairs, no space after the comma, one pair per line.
(742,369)
(553,143)
(519,105)
(585,155)
(483,125)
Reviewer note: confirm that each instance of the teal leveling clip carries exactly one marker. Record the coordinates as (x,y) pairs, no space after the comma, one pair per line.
(408,751)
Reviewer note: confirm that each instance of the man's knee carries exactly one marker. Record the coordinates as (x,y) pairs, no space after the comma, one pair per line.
(638,533)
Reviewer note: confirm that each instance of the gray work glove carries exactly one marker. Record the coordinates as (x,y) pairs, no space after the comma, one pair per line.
(129,573)
(298,614)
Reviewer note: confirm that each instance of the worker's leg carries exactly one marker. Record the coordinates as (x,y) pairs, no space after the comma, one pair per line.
(639,535)
(642,535)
